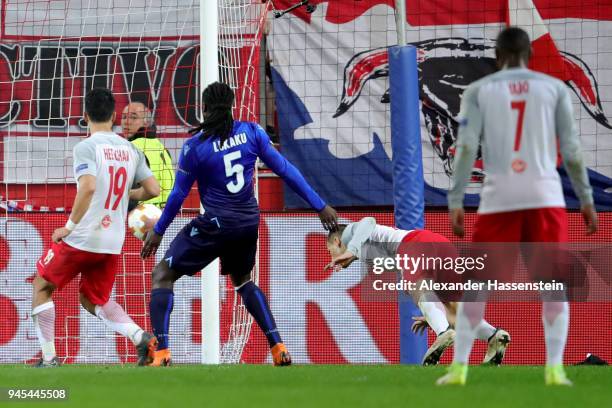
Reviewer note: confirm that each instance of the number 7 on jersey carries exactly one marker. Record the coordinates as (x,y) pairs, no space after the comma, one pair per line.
(520,107)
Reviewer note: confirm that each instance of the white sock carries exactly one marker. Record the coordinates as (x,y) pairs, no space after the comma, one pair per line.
(555,316)
(484,330)
(113,316)
(44,323)
(469,316)
(434,313)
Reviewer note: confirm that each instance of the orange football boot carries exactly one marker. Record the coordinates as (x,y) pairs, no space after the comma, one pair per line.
(280,355)
(146,348)
(162,358)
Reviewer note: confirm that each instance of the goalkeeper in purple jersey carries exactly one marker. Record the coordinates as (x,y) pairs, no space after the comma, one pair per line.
(221,157)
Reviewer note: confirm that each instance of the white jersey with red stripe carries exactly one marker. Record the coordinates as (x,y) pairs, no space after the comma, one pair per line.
(366,236)
(116,164)
(521,118)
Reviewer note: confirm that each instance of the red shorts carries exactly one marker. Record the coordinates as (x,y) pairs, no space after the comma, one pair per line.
(538,225)
(535,225)
(424,236)
(62,263)
(422,242)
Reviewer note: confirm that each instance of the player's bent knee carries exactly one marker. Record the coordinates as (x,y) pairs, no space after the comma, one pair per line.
(238,280)
(163,276)
(87,304)
(42,285)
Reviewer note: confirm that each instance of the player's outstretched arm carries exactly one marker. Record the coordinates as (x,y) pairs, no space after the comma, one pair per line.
(569,144)
(294,179)
(182,185)
(343,260)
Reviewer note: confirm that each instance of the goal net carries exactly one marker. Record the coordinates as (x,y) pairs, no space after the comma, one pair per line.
(51,54)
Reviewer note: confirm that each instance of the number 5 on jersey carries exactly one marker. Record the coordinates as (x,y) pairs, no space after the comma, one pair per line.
(236,169)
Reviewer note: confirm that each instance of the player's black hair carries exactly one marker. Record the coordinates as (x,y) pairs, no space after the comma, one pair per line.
(513,41)
(338,231)
(218,119)
(99,105)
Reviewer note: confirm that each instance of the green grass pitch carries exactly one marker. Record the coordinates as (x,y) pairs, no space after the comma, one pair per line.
(308,386)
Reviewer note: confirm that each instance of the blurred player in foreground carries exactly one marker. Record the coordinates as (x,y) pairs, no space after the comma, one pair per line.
(360,239)
(89,244)
(221,157)
(520,117)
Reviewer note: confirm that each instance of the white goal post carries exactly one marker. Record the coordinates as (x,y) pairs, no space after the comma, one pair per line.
(227,29)
(209,73)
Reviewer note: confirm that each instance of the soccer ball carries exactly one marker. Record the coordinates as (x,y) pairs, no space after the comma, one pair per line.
(142,219)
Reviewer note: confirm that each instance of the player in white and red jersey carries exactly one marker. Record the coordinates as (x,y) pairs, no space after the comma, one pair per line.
(366,240)
(521,119)
(105,167)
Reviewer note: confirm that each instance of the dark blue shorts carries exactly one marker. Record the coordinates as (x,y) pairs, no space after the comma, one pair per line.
(203,240)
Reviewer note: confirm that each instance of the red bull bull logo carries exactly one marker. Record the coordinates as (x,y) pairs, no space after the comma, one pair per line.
(448,65)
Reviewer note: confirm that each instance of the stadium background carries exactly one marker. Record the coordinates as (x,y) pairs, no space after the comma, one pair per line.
(321,317)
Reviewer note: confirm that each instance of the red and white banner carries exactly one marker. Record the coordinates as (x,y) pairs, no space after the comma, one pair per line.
(144,50)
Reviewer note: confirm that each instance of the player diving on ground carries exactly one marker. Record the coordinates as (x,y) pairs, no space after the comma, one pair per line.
(363,239)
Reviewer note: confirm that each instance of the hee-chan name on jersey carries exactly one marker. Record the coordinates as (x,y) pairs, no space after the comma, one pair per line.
(469,285)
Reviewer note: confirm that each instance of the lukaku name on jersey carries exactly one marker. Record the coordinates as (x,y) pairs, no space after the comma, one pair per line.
(231,142)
